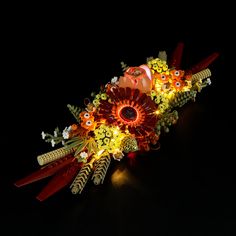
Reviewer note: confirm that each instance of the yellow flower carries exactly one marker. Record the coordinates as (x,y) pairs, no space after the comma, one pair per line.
(165,100)
(106,140)
(101,135)
(167,72)
(108,133)
(96,102)
(165,68)
(157,100)
(160,64)
(100,142)
(103,96)
(110,149)
(153,93)
(101,129)
(161,107)
(155,66)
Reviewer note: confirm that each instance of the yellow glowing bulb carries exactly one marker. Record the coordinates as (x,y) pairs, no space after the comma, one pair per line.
(157,112)
(116,132)
(100,152)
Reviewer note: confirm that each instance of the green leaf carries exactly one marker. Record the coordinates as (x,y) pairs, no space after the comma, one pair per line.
(80,147)
(75,111)
(74,139)
(92,146)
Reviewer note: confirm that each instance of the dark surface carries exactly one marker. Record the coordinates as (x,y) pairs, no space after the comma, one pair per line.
(185,188)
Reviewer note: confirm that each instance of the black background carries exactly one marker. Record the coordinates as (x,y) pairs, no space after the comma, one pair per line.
(55,57)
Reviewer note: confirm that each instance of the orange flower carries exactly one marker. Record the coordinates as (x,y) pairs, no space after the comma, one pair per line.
(176,74)
(88,124)
(74,127)
(85,115)
(163,77)
(178,84)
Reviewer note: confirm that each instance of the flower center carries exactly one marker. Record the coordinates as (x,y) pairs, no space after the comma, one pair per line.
(128,114)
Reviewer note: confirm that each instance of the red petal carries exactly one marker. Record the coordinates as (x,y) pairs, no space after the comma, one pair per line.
(59,181)
(203,64)
(105,105)
(177,56)
(117,95)
(46,171)
(127,93)
(122,93)
(142,98)
(136,95)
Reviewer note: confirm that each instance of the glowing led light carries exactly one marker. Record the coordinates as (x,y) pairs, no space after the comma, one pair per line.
(100,152)
(116,131)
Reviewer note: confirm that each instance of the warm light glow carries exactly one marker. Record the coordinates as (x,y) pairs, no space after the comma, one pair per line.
(99,153)
(116,131)
(120,177)
(157,112)
(170,94)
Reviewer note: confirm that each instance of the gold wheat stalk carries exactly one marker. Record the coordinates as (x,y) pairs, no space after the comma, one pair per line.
(101,170)
(53,155)
(81,179)
(201,75)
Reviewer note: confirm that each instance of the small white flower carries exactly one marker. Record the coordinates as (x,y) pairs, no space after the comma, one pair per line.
(83,155)
(43,135)
(53,142)
(55,133)
(66,132)
(209,81)
(114,80)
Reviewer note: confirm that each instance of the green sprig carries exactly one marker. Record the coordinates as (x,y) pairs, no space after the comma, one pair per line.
(75,111)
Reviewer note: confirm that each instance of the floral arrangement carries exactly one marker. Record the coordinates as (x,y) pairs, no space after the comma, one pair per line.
(124,117)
